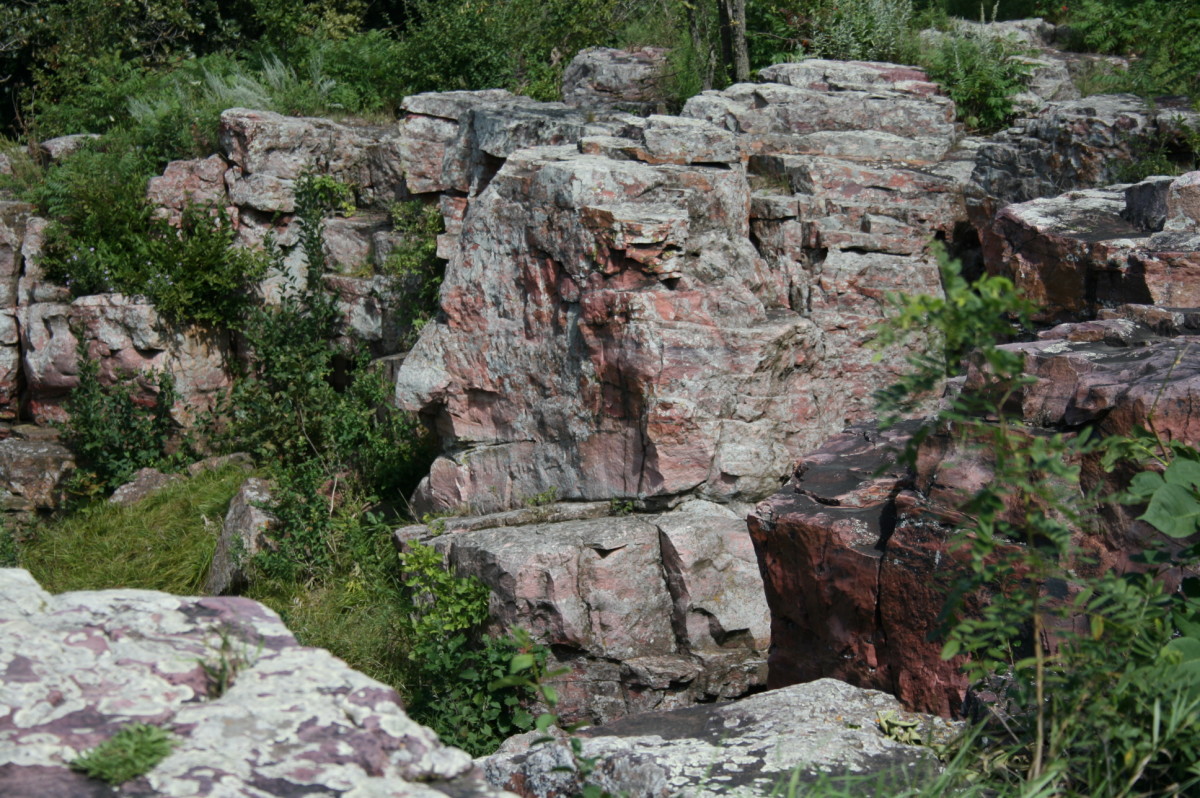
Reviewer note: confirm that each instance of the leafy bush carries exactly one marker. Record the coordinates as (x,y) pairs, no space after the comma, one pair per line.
(864,30)
(1164,35)
(447,614)
(414,263)
(1113,708)
(981,74)
(111,433)
(104,238)
(131,752)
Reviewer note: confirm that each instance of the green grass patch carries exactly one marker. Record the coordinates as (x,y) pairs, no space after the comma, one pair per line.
(165,542)
(133,751)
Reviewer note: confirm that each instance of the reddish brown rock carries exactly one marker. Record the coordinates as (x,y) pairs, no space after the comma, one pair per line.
(200,181)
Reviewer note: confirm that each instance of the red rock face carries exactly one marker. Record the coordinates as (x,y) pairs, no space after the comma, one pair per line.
(858,554)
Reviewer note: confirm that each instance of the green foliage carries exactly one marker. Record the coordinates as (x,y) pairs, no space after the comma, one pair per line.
(165,542)
(980,72)
(457,669)
(231,654)
(133,751)
(1110,710)
(104,238)
(1172,149)
(111,433)
(864,30)
(1163,34)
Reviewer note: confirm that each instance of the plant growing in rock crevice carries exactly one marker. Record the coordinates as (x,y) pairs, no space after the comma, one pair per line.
(1109,710)
(133,751)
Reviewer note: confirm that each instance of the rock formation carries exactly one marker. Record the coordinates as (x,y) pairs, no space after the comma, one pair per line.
(761,744)
(249,710)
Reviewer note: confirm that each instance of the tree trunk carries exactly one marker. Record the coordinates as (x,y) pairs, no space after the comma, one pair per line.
(733,39)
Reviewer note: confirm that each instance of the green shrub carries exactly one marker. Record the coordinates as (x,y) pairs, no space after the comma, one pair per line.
(864,30)
(1164,35)
(133,751)
(104,238)
(414,264)
(1113,708)
(981,74)
(111,432)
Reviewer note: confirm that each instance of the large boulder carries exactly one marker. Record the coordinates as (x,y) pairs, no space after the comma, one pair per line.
(755,746)
(1078,252)
(623,80)
(645,611)
(250,711)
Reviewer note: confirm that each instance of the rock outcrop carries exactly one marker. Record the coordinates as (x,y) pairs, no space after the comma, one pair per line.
(666,306)
(758,745)
(646,612)
(619,80)
(250,711)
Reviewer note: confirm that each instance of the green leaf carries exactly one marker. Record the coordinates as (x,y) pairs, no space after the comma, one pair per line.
(521,662)
(1185,473)
(1173,511)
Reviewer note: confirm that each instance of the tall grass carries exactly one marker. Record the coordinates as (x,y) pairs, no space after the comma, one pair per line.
(165,542)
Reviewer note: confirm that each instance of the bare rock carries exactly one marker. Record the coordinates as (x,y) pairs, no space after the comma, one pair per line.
(1182,213)
(623,80)
(32,473)
(289,720)
(647,612)
(1084,250)
(200,181)
(239,459)
(1067,145)
(243,535)
(756,745)
(145,482)
(128,337)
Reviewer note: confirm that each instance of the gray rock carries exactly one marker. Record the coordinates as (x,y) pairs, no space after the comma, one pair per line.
(756,745)
(647,612)
(289,720)
(625,80)
(145,482)
(32,473)
(58,148)
(240,459)
(242,535)
(1183,204)
(1146,203)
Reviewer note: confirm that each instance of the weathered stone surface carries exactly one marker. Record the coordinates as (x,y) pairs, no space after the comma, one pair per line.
(1183,204)
(1084,250)
(893,105)
(32,472)
(146,482)
(200,181)
(239,459)
(243,534)
(623,80)
(756,746)
(1066,145)
(293,720)
(128,337)
(647,612)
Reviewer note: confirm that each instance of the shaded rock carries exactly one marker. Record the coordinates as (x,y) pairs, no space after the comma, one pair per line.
(1067,145)
(1075,253)
(145,482)
(32,472)
(646,612)
(243,534)
(292,720)
(755,745)
(623,80)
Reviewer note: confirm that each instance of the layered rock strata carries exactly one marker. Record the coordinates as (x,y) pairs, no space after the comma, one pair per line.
(671,305)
